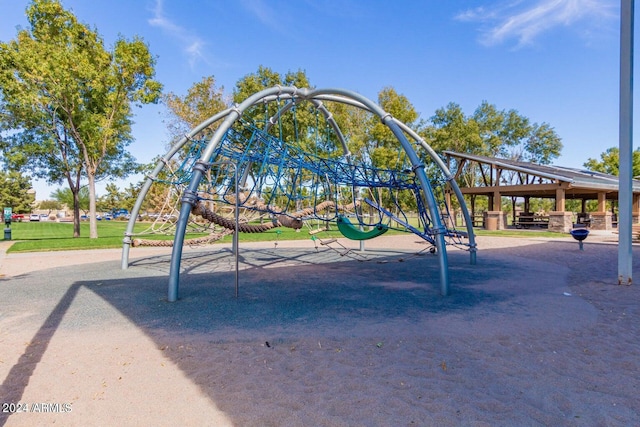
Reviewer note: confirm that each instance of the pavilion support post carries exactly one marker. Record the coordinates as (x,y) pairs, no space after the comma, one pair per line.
(560,221)
(602,201)
(560,200)
(497,201)
(601,221)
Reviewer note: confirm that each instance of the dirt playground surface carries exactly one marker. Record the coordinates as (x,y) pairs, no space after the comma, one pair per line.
(537,333)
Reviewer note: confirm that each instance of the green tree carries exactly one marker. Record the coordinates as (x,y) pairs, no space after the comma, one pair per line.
(353,123)
(383,148)
(14,191)
(297,126)
(491,132)
(66,197)
(111,200)
(252,83)
(609,162)
(450,129)
(202,101)
(542,145)
(68,101)
(49,205)
(491,128)
(293,127)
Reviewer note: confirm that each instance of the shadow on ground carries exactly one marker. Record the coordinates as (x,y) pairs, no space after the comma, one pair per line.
(390,298)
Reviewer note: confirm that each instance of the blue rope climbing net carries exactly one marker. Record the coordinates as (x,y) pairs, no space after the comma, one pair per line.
(279,178)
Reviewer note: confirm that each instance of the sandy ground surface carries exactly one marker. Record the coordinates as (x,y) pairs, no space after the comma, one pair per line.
(537,333)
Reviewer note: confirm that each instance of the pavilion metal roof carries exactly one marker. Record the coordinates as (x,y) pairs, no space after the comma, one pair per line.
(576,177)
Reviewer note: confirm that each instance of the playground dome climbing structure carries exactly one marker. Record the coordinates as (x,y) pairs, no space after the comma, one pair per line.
(281,159)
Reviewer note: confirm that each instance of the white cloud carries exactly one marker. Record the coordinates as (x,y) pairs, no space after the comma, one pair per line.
(192,45)
(526,20)
(265,12)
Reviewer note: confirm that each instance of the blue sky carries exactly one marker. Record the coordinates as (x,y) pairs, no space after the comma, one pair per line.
(555,61)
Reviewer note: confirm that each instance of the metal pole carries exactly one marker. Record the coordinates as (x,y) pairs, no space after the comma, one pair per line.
(418,169)
(235,248)
(126,243)
(236,236)
(625,192)
(188,201)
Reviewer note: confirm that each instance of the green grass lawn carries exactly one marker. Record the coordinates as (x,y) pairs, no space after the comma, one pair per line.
(54,236)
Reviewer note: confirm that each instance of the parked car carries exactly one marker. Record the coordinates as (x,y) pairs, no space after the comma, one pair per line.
(17,217)
(116,213)
(44,217)
(34,217)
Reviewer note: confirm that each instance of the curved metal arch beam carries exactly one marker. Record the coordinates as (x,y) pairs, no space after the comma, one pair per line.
(288,106)
(452,183)
(319,106)
(434,156)
(327,116)
(189,197)
(418,170)
(190,194)
(162,163)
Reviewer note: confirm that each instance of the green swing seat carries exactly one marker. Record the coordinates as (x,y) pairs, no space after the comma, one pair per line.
(352,232)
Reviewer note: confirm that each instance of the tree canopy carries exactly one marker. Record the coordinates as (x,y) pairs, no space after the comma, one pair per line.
(203,100)
(66,101)
(488,131)
(64,196)
(14,191)
(492,132)
(610,162)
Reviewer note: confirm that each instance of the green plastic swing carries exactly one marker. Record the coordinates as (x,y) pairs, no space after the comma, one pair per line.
(352,232)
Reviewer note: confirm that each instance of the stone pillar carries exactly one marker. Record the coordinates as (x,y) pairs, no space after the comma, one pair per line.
(601,221)
(560,221)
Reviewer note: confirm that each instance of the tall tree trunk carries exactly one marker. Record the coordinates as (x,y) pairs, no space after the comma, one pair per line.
(473,205)
(76,211)
(75,192)
(93,220)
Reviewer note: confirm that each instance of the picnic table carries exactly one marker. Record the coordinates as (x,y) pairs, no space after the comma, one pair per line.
(532,220)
